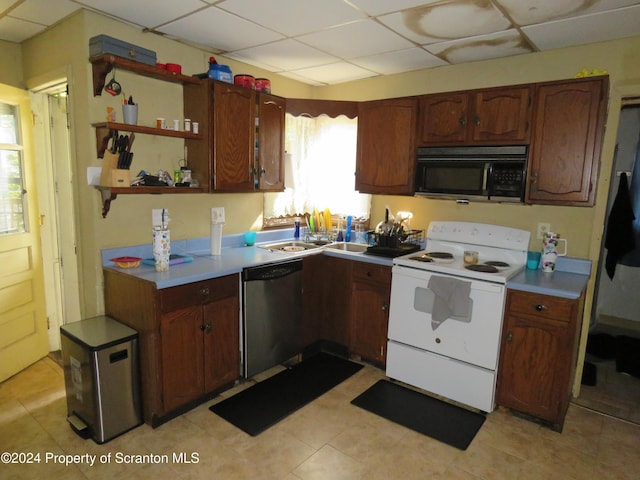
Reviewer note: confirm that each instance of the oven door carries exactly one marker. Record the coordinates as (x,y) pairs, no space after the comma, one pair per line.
(471,335)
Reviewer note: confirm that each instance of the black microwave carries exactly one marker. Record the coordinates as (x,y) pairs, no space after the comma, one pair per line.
(485,173)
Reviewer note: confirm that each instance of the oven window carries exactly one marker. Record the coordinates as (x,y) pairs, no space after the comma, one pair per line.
(450,178)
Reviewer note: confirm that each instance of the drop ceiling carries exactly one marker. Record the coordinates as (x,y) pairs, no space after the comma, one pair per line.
(323,42)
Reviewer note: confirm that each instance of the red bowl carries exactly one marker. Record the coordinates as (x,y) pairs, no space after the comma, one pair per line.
(127,262)
(174,67)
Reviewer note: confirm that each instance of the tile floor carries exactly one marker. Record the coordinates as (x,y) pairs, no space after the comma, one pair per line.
(328,439)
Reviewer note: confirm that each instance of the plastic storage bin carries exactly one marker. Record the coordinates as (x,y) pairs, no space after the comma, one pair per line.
(101,374)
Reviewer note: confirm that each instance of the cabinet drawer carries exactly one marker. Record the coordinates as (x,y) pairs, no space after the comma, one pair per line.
(198,293)
(369,272)
(543,306)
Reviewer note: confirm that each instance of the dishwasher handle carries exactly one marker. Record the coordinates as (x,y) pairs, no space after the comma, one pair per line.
(271,272)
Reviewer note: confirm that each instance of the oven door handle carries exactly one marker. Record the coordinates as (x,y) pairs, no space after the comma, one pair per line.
(485,177)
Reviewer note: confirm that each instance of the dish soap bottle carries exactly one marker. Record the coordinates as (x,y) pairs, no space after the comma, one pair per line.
(219,72)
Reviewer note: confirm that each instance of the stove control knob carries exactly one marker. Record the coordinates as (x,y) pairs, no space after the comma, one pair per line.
(438,340)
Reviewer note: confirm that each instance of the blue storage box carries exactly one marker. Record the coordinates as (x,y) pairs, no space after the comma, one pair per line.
(104,44)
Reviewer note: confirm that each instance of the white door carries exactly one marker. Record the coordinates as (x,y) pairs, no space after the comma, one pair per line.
(23,322)
(55,181)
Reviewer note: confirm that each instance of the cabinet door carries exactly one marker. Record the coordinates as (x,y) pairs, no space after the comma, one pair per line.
(370,296)
(182,350)
(501,116)
(233,138)
(443,119)
(270,167)
(534,367)
(566,143)
(221,343)
(385,161)
(335,276)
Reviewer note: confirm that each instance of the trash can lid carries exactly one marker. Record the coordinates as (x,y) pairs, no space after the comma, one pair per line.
(98,332)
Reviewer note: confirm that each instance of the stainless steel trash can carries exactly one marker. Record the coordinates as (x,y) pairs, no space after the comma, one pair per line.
(101,373)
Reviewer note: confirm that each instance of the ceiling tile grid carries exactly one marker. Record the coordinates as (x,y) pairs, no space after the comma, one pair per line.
(333,41)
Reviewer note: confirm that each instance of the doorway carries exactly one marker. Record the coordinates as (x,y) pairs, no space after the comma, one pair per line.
(613,346)
(55,184)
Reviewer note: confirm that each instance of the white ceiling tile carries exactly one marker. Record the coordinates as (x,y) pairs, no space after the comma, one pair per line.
(45,12)
(15,30)
(447,21)
(286,54)
(219,29)
(293,17)
(400,61)
(302,79)
(335,73)
(379,7)
(147,13)
(496,45)
(356,39)
(539,11)
(585,29)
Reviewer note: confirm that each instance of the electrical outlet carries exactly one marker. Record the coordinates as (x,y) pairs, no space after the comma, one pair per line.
(542,229)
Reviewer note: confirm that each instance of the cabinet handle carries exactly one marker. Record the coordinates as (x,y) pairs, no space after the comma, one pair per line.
(462,121)
(206,328)
(533,178)
(540,307)
(385,306)
(509,338)
(204,292)
(476,120)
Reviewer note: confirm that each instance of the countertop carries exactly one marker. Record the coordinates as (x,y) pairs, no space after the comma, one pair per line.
(235,256)
(569,279)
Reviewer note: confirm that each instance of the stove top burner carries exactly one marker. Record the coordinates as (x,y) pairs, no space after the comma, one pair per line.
(497,263)
(482,268)
(440,255)
(422,258)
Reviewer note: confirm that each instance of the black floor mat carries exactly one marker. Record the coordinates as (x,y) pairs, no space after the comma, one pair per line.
(266,403)
(447,423)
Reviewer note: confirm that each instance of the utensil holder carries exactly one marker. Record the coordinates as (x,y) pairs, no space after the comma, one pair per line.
(130,114)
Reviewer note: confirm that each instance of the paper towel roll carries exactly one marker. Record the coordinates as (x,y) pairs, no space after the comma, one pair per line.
(216,238)
(161,249)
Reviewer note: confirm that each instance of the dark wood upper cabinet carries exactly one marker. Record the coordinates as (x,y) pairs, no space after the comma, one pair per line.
(385,161)
(491,116)
(569,118)
(244,147)
(270,145)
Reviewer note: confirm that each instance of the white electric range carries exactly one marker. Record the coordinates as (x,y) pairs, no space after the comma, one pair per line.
(445,319)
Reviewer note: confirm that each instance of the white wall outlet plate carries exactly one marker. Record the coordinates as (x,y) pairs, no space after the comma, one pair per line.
(542,229)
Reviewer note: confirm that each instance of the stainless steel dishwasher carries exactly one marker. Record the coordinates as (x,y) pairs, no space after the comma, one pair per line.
(272,315)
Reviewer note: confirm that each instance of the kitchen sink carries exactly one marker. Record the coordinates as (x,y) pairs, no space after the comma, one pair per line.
(294,246)
(348,247)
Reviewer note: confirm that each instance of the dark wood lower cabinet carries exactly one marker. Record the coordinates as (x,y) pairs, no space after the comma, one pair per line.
(538,355)
(370,298)
(189,338)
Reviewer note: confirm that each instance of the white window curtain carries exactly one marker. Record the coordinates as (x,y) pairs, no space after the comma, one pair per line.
(319,169)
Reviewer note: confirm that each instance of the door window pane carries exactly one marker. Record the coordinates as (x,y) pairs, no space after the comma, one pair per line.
(12,198)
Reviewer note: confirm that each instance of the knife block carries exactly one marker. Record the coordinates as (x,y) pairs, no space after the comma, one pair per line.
(111,175)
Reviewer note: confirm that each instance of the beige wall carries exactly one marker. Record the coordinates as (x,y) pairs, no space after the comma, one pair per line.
(66,47)
(11,64)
